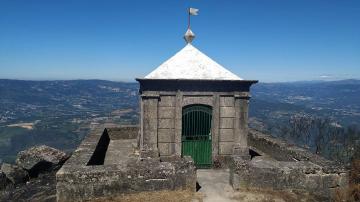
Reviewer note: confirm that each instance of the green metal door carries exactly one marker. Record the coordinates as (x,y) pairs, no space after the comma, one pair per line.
(196,134)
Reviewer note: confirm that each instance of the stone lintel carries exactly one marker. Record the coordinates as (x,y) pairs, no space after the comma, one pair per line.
(242,95)
(150,96)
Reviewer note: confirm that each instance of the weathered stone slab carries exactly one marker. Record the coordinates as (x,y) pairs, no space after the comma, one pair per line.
(178,122)
(227,101)
(227,112)
(120,151)
(166,123)
(14,173)
(167,112)
(166,148)
(150,121)
(166,135)
(167,101)
(148,153)
(225,148)
(265,172)
(226,122)
(205,100)
(226,135)
(125,132)
(178,141)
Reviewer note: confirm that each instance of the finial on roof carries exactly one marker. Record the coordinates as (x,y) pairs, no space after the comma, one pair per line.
(189,36)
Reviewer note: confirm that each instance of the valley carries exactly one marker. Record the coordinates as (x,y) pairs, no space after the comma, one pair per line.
(61,113)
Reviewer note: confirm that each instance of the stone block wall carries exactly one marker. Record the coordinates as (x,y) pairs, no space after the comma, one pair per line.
(284,166)
(266,173)
(125,132)
(283,151)
(229,120)
(226,125)
(78,180)
(166,125)
(161,106)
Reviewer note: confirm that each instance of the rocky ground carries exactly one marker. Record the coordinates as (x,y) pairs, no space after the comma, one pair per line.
(160,196)
(214,187)
(32,178)
(42,189)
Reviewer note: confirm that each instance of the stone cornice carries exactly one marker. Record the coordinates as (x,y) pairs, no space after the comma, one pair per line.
(195,85)
(242,95)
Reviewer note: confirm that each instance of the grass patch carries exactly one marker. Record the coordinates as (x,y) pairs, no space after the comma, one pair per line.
(269,195)
(158,196)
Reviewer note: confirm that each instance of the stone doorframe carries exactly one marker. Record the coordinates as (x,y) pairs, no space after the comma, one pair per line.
(184,99)
(150,111)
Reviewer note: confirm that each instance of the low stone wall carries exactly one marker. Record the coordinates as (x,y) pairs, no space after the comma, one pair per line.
(283,151)
(126,132)
(261,172)
(283,166)
(78,180)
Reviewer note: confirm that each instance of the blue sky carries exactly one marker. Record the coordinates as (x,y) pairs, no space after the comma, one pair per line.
(268,40)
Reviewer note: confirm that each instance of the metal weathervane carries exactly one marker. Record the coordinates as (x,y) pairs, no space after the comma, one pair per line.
(189,35)
(192,11)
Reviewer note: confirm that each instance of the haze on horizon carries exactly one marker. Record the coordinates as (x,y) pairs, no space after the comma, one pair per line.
(269,41)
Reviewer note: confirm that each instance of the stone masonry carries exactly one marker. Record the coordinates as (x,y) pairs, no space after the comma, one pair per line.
(282,166)
(107,163)
(162,102)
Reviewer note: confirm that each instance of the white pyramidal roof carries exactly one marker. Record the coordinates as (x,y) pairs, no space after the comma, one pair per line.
(190,63)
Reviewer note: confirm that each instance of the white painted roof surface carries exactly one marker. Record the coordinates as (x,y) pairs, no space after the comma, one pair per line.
(190,63)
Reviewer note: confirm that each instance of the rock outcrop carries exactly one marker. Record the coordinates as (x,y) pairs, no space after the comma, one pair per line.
(40,189)
(40,159)
(37,167)
(3,180)
(14,173)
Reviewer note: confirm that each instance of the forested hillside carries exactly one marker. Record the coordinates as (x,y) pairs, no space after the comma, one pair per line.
(321,116)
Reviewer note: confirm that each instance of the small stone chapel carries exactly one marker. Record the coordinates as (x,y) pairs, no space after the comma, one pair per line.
(192,106)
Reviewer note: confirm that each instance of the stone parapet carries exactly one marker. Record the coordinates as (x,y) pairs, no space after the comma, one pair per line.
(281,166)
(283,151)
(90,174)
(266,173)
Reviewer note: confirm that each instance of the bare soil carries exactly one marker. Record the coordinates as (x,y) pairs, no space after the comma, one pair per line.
(160,196)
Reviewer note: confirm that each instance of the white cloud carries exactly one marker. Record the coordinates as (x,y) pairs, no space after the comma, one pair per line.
(326,76)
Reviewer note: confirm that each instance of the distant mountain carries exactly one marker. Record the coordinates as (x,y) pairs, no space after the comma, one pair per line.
(28,100)
(323,116)
(45,92)
(339,100)
(345,81)
(60,113)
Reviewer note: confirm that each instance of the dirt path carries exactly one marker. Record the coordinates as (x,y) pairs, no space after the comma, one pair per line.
(215,185)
